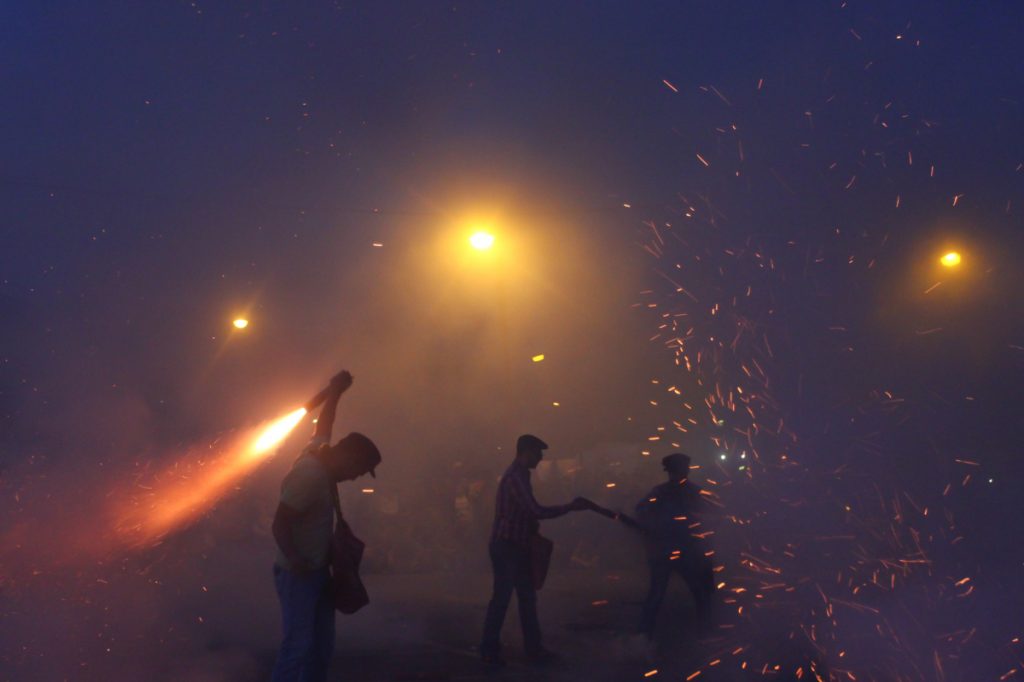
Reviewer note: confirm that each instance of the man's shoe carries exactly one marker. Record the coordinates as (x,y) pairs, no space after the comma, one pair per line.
(492,660)
(542,657)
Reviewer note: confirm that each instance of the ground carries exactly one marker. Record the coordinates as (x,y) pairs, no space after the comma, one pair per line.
(426,627)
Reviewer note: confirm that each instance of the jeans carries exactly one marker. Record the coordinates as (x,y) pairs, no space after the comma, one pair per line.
(307,616)
(696,571)
(512,571)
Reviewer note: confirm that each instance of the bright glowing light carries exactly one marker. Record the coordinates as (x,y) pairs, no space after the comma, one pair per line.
(241,323)
(722,456)
(195,481)
(277,431)
(481,240)
(951,259)
(538,358)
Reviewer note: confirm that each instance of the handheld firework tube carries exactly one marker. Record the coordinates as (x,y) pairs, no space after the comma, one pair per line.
(627,521)
(317,400)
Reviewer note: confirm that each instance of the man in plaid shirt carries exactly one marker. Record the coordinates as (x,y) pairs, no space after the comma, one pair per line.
(517,516)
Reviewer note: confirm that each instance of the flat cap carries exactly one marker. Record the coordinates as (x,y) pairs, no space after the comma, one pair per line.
(529,442)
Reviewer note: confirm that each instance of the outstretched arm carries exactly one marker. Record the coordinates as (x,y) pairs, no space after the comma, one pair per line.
(522,491)
(325,422)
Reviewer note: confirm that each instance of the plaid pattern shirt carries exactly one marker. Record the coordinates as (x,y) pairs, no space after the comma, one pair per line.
(517,514)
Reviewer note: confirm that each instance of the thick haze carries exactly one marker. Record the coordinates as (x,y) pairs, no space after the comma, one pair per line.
(767,181)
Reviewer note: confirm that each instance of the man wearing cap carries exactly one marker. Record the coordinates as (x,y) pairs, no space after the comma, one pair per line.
(303,529)
(669,517)
(517,516)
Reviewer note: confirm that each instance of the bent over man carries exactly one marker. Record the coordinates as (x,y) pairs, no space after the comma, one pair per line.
(517,517)
(303,529)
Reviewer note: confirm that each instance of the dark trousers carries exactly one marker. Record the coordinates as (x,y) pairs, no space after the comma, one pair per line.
(697,573)
(307,617)
(512,571)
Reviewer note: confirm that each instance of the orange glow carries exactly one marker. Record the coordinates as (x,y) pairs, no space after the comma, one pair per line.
(277,431)
(482,240)
(241,323)
(195,482)
(951,259)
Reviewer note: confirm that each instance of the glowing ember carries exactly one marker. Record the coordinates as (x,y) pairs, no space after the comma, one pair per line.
(538,358)
(951,259)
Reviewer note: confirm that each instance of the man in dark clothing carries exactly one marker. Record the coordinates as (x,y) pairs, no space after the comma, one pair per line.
(669,517)
(517,517)
(303,529)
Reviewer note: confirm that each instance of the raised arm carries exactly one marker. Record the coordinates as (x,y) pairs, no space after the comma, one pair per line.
(325,422)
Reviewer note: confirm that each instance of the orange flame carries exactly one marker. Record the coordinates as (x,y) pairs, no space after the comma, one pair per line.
(277,431)
(190,488)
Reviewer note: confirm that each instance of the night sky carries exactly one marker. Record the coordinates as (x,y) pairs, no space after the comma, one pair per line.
(719,222)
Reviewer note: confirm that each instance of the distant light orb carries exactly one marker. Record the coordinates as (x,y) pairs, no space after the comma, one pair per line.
(241,323)
(951,259)
(481,241)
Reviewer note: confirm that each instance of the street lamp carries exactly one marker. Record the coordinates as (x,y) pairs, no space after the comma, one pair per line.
(481,240)
(951,259)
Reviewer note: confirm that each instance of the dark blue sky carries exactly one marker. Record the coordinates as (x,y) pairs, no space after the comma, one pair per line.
(165,164)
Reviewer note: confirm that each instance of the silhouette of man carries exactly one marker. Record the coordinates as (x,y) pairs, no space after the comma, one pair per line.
(668,517)
(517,516)
(303,529)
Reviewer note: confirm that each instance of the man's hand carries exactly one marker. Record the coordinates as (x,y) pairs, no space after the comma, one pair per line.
(325,422)
(341,382)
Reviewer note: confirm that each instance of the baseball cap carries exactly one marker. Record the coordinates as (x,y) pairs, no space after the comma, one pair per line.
(364,449)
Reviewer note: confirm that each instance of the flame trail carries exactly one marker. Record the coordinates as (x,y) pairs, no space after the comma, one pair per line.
(192,485)
(276,432)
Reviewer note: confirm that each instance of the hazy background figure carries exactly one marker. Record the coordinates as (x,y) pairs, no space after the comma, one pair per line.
(517,517)
(303,528)
(670,516)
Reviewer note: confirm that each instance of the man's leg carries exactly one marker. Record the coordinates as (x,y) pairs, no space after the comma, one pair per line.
(660,570)
(498,606)
(527,595)
(323,634)
(298,595)
(700,578)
